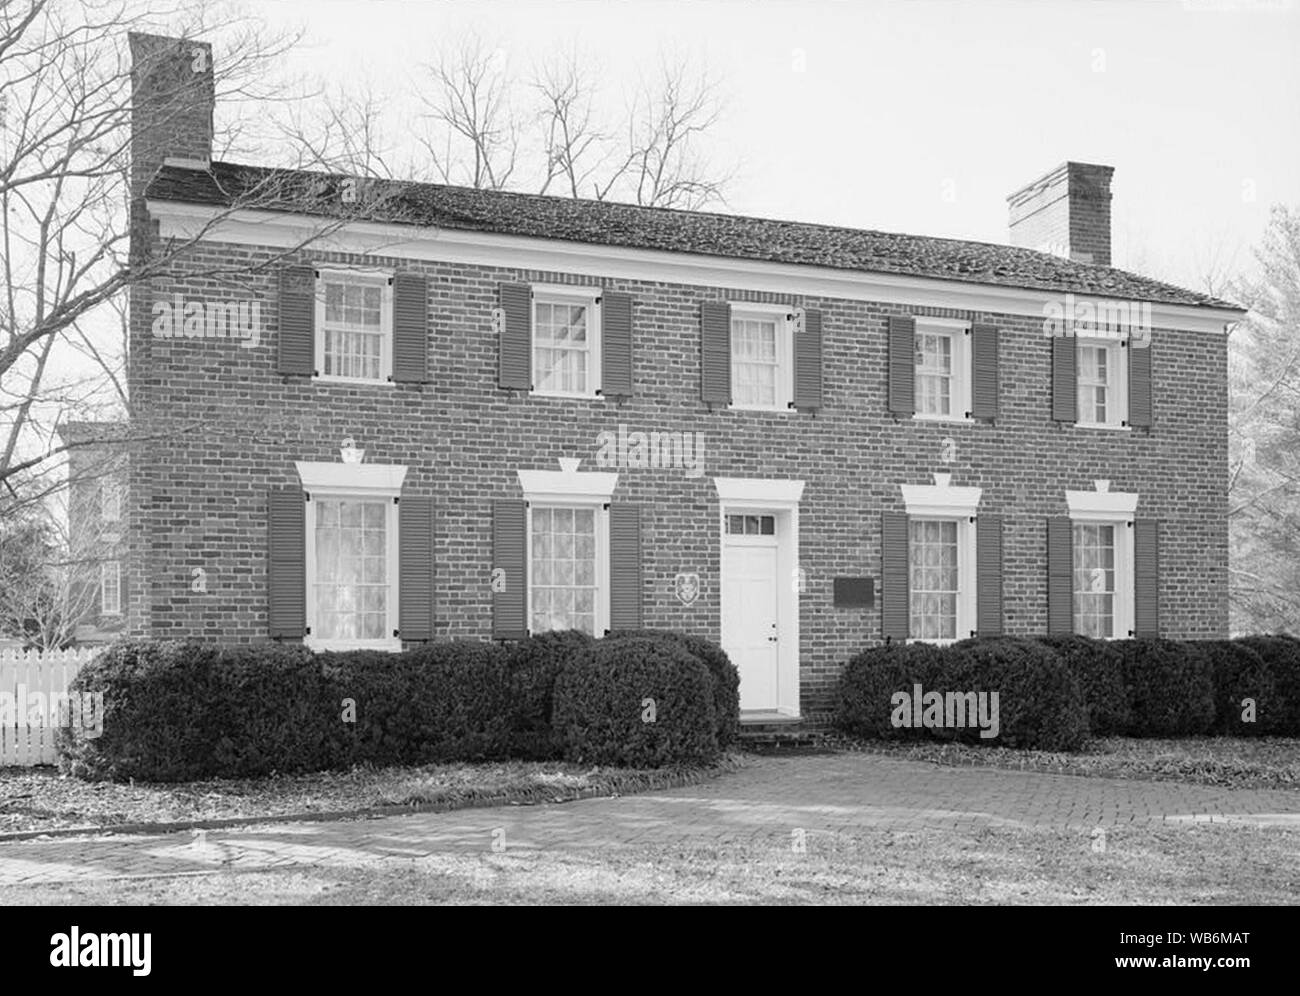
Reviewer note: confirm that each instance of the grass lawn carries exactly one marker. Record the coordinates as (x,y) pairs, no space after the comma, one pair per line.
(1200,864)
(41,799)
(1235,762)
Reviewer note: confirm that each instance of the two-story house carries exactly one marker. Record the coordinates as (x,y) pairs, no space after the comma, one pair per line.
(405,412)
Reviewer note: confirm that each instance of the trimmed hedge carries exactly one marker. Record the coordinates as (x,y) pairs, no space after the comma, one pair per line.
(1171,687)
(1039,702)
(181,711)
(534,664)
(725,676)
(637,701)
(1280,655)
(1099,668)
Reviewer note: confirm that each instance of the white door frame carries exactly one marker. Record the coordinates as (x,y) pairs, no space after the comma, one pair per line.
(779,498)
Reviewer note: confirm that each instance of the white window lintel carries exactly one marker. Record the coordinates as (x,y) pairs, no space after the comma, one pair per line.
(733,491)
(940,498)
(1102,504)
(351,478)
(568,484)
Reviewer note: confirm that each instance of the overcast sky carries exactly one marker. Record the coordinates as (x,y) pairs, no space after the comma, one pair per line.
(922,116)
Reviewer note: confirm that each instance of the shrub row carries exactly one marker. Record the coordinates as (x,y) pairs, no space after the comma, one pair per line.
(1055,691)
(176,711)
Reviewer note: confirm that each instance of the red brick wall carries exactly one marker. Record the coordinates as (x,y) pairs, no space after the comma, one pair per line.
(237,427)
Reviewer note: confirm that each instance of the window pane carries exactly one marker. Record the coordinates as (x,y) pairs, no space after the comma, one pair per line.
(932,551)
(563,569)
(1094,580)
(351,582)
(560,348)
(754,363)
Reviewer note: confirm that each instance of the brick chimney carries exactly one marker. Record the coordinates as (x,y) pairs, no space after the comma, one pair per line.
(172,101)
(1065,212)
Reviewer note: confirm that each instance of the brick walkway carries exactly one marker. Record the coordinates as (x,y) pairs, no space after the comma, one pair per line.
(837,794)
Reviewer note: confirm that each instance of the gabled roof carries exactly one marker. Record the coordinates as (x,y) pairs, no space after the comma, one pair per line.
(630,226)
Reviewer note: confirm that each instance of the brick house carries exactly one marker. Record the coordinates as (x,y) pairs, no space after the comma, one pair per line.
(97,477)
(477,414)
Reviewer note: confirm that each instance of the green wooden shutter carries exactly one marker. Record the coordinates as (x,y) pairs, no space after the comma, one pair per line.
(1139,383)
(1146,577)
(1065,398)
(509,570)
(297,346)
(515,343)
(715,352)
(410,328)
(1060,575)
(984,371)
(286,573)
(415,567)
(615,344)
(902,365)
(988,575)
(808,362)
(895,582)
(625,578)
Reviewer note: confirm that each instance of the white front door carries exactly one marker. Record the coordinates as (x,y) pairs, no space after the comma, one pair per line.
(749,625)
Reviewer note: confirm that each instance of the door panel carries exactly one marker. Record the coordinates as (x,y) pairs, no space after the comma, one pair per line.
(749,626)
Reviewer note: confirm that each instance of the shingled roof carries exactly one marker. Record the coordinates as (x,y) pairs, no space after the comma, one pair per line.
(630,226)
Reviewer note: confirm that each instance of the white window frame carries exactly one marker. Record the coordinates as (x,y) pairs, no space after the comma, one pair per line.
(1116,384)
(570,488)
(366,482)
(113,569)
(945,502)
(1103,507)
(110,497)
(384,278)
(569,294)
(959,331)
(783,316)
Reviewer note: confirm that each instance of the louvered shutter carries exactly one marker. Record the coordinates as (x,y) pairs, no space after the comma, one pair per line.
(297,346)
(625,582)
(715,352)
(984,371)
(1146,577)
(509,570)
(1139,384)
(1060,576)
(902,365)
(286,574)
(988,575)
(616,344)
(895,583)
(410,328)
(808,362)
(515,342)
(415,567)
(1065,398)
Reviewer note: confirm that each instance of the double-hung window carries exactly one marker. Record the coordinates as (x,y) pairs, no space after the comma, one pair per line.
(354,337)
(566,582)
(110,587)
(1101,380)
(566,341)
(761,357)
(940,552)
(1102,540)
(942,369)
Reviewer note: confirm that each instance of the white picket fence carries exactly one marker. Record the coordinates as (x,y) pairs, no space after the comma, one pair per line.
(27,724)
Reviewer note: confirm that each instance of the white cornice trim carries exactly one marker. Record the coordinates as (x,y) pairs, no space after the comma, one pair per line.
(369,478)
(288,231)
(758,489)
(567,485)
(1105,505)
(940,498)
